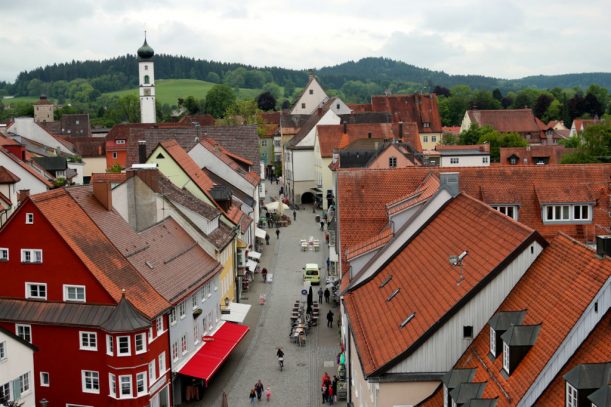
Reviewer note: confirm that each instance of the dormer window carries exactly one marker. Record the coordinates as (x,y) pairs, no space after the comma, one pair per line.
(492,342)
(576,213)
(120,141)
(571,396)
(506,355)
(426,125)
(509,210)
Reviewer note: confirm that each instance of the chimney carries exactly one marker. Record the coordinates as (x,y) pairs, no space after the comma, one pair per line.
(102,192)
(603,245)
(141,151)
(401,130)
(450,181)
(22,195)
(345,128)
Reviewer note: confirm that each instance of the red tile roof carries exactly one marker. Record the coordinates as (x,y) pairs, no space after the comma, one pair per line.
(508,120)
(555,292)
(552,152)
(363,195)
(112,177)
(595,349)
(202,119)
(164,254)
(373,243)
(7,177)
(97,252)
(332,136)
(479,147)
(582,124)
(454,130)
(555,194)
(411,108)
(427,189)
(356,107)
(427,282)
(7,141)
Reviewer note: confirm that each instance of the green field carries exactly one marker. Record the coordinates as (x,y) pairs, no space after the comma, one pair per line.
(21,99)
(169,90)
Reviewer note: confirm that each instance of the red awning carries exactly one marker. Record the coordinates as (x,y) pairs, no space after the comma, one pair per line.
(216,348)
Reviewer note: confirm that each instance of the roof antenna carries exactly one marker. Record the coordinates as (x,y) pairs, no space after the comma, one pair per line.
(457,261)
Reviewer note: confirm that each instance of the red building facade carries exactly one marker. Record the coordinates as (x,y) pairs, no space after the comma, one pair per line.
(99,327)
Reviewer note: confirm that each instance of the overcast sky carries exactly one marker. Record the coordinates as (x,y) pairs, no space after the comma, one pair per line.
(508,39)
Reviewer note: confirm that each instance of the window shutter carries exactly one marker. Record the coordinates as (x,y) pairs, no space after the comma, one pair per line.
(16,391)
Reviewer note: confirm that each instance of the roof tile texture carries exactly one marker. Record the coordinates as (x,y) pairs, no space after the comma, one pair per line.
(555,291)
(507,120)
(411,108)
(427,282)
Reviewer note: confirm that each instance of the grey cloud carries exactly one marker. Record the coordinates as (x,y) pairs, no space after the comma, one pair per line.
(418,49)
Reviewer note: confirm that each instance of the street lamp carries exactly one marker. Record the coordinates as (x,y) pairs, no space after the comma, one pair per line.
(457,261)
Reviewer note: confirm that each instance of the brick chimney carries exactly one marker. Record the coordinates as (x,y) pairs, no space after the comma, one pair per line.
(103,193)
(141,151)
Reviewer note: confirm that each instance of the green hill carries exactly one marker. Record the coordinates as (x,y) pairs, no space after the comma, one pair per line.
(169,90)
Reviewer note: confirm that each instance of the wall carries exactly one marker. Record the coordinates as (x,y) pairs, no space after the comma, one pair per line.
(94,165)
(79,167)
(381,161)
(147,102)
(44,113)
(25,126)
(466,123)
(27,179)
(466,161)
(311,100)
(426,140)
(19,360)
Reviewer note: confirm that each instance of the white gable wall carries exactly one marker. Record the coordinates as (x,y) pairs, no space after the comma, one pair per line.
(313,95)
(328,118)
(25,126)
(28,180)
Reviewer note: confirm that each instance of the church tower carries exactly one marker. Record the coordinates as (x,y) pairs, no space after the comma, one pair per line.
(146,75)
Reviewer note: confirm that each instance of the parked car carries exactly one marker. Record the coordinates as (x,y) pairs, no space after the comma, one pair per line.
(311,273)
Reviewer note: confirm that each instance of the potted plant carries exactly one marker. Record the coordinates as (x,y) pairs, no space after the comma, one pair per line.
(197,312)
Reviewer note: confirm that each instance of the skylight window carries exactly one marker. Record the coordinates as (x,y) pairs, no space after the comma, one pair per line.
(386,280)
(392,295)
(409,318)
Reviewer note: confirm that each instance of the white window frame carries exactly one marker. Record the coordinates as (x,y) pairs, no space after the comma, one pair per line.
(492,342)
(172,316)
(24,327)
(506,357)
(7,389)
(143,348)
(129,346)
(44,379)
(131,387)
(183,344)
(152,371)
(484,160)
(67,288)
(557,213)
(32,254)
(29,218)
(24,383)
(425,139)
(115,155)
(175,351)
(162,364)
(30,286)
(392,162)
(571,396)
(110,345)
(454,160)
(196,333)
(507,209)
(4,253)
(2,350)
(159,325)
(120,141)
(141,377)
(112,385)
(182,310)
(433,139)
(85,340)
(94,375)
(194,301)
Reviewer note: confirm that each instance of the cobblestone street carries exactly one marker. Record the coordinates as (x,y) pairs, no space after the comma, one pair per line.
(255,358)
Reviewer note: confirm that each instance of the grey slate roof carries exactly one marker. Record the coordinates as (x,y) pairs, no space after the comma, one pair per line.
(52,164)
(312,121)
(467,391)
(239,140)
(481,403)
(521,335)
(501,321)
(589,375)
(601,397)
(54,313)
(457,376)
(125,318)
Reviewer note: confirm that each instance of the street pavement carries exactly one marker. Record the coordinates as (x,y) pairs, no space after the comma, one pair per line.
(255,357)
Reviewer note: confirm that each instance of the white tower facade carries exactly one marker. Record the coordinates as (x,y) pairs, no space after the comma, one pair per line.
(146,75)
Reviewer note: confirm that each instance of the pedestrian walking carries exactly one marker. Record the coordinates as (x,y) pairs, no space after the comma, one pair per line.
(264,274)
(281,190)
(252,396)
(259,389)
(322,225)
(277,233)
(267,238)
(328,263)
(294,214)
(327,295)
(268,393)
(325,393)
(330,394)
(320,295)
(330,319)
(334,388)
